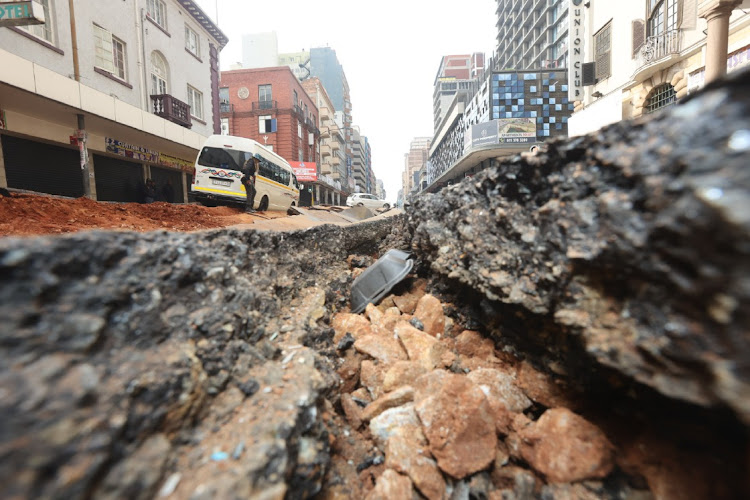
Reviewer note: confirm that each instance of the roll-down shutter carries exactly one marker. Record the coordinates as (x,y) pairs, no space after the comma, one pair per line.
(41,167)
(117,180)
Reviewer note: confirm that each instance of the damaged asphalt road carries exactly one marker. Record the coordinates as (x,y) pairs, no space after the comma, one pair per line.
(205,365)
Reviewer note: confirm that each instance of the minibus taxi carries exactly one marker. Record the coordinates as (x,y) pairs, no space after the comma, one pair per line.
(218,174)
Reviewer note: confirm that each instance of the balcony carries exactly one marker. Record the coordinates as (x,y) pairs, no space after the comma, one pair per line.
(297,111)
(225,107)
(325,113)
(265,105)
(657,53)
(325,150)
(172,109)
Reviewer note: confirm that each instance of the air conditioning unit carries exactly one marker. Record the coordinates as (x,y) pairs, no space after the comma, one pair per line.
(310,139)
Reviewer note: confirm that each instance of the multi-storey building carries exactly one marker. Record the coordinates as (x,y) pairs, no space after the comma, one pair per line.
(380,189)
(359,165)
(511,112)
(325,65)
(414,161)
(332,163)
(270,106)
(371,180)
(456,74)
(532,34)
(665,50)
(298,62)
(106,94)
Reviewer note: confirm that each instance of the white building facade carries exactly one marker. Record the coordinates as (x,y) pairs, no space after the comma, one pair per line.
(650,53)
(98,99)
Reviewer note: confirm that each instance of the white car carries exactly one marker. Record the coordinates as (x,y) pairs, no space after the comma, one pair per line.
(366,200)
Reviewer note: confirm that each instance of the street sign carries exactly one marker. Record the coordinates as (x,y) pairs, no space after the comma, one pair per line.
(21,13)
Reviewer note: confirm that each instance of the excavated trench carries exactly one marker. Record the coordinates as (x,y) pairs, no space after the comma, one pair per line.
(575,326)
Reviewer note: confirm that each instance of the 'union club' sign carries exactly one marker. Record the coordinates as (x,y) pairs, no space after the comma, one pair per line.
(575,50)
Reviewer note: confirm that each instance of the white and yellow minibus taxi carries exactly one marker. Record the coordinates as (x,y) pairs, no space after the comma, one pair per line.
(218,170)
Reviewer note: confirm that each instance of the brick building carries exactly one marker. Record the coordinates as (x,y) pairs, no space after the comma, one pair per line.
(270,106)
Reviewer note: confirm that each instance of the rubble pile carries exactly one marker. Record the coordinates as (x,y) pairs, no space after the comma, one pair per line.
(428,409)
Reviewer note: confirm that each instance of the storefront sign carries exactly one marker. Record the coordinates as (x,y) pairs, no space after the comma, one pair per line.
(305,172)
(174,162)
(21,13)
(516,130)
(131,151)
(575,50)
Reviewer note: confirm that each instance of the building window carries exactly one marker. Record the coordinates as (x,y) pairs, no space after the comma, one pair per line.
(660,97)
(662,16)
(195,101)
(301,158)
(225,126)
(109,53)
(159,74)
(296,98)
(43,31)
(192,41)
(299,129)
(603,52)
(264,93)
(266,124)
(157,10)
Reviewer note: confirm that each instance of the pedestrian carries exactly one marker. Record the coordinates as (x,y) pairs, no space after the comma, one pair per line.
(167,191)
(150,191)
(248,180)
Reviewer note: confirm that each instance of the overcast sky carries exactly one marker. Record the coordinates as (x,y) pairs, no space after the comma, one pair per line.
(390,51)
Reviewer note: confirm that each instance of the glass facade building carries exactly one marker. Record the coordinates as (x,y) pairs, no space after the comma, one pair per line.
(540,95)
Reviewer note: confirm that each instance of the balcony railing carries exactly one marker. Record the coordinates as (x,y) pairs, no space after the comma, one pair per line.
(264,105)
(658,47)
(225,107)
(172,109)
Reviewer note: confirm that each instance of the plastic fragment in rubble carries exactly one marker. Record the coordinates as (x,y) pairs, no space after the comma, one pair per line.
(378,279)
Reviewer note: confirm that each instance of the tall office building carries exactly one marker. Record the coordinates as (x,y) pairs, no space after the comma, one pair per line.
(325,65)
(457,73)
(414,160)
(531,34)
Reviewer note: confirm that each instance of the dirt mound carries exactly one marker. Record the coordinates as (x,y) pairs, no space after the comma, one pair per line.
(24,214)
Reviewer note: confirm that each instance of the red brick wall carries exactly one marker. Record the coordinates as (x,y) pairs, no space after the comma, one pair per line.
(244,121)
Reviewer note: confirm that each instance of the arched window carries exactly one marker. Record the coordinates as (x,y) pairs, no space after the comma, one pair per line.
(662,16)
(659,97)
(159,74)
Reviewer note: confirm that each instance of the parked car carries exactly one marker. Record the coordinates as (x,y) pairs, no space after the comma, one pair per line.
(366,200)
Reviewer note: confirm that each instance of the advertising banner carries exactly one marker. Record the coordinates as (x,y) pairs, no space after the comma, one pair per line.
(484,134)
(305,171)
(516,130)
